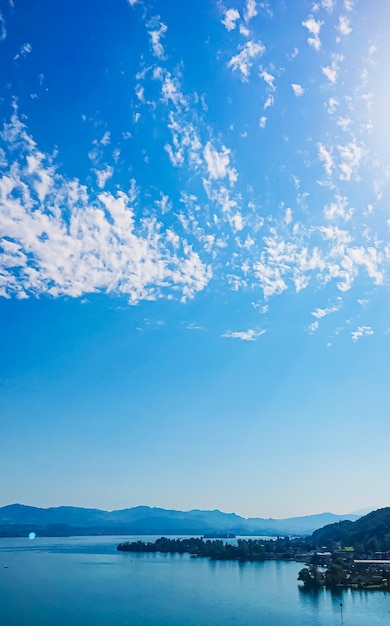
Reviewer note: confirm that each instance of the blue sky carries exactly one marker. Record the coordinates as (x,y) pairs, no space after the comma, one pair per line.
(194,254)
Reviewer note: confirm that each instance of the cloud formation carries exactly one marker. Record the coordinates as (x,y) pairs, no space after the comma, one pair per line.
(362,331)
(289,212)
(58,239)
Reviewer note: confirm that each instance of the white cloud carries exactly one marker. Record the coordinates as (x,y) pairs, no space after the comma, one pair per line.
(230,18)
(246,335)
(314,27)
(103,176)
(269,102)
(58,238)
(331,71)
(139,92)
(25,49)
(164,204)
(262,123)
(344,27)
(326,157)
(243,61)
(106,139)
(320,313)
(333,103)
(186,146)
(268,78)
(297,89)
(221,198)
(244,30)
(350,157)
(171,90)
(362,331)
(288,216)
(250,10)
(157,32)
(338,209)
(336,234)
(369,258)
(328,5)
(3,30)
(262,308)
(344,123)
(193,326)
(269,277)
(217,162)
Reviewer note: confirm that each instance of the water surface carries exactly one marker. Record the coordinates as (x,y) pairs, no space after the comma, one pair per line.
(84,581)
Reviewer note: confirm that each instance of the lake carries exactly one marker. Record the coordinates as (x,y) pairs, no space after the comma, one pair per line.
(84,581)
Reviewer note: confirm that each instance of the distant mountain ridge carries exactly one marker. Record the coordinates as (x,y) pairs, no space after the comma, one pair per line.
(19,519)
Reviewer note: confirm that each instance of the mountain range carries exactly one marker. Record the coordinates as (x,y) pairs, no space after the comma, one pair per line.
(19,520)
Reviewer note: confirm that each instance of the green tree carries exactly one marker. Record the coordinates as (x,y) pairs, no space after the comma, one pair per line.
(311,576)
(335,575)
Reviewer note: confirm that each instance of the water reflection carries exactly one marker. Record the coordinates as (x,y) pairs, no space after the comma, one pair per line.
(310,595)
(70,581)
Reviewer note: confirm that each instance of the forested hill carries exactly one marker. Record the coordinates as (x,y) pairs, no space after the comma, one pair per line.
(369,533)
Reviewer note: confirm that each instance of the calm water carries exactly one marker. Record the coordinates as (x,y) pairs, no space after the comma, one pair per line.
(84,581)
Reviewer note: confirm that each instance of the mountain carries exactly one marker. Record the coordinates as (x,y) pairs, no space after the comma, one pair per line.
(18,520)
(370,533)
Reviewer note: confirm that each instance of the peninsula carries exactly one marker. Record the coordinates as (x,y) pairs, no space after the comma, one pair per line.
(346,554)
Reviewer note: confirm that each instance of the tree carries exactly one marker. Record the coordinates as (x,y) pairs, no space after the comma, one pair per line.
(335,575)
(311,576)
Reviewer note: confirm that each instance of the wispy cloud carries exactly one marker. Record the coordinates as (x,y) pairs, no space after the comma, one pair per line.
(338,209)
(269,102)
(157,32)
(362,331)
(246,335)
(331,71)
(268,78)
(193,326)
(326,157)
(243,61)
(24,50)
(313,327)
(328,5)
(320,313)
(3,30)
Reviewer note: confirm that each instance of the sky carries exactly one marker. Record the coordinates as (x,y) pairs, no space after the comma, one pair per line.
(195,254)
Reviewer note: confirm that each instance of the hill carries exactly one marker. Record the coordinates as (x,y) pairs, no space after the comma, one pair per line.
(18,520)
(370,533)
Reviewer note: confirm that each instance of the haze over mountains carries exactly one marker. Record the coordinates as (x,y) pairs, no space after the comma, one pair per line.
(19,520)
